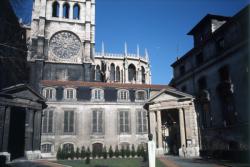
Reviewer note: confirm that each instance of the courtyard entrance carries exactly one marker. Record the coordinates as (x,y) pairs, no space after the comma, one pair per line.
(173,123)
(171,139)
(17,132)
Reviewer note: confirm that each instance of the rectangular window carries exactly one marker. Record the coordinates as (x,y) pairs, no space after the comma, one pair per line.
(202,83)
(47,122)
(48,93)
(68,121)
(97,121)
(97,94)
(142,122)
(199,59)
(141,95)
(124,95)
(124,121)
(182,70)
(46,148)
(70,94)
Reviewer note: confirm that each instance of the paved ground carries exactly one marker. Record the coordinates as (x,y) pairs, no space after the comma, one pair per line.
(174,161)
(168,161)
(41,163)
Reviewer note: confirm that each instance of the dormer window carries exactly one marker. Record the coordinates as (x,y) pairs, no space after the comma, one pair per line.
(49,93)
(97,94)
(199,59)
(141,95)
(182,70)
(123,95)
(69,94)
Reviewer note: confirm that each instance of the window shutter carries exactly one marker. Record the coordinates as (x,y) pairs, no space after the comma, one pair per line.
(71,128)
(50,120)
(45,122)
(66,118)
(94,122)
(121,121)
(100,122)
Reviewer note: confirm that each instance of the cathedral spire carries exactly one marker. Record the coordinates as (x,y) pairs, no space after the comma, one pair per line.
(125,49)
(146,54)
(138,51)
(103,48)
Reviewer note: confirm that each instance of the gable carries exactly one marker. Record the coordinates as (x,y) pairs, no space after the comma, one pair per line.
(26,94)
(22,91)
(164,97)
(167,94)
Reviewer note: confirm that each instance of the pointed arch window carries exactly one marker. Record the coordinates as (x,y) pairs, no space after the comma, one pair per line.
(76,12)
(66,10)
(117,74)
(131,73)
(112,72)
(143,75)
(55,9)
(98,73)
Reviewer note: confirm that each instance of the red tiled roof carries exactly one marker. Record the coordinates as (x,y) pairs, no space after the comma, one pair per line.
(101,84)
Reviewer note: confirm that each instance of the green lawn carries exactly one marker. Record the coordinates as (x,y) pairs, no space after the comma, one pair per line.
(129,162)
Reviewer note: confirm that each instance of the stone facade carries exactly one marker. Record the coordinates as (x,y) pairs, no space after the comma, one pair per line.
(84,105)
(93,98)
(216,71)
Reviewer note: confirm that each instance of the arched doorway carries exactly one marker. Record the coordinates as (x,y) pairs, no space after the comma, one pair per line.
(97,148)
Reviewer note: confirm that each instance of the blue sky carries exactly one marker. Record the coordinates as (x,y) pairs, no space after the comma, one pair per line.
(158,25)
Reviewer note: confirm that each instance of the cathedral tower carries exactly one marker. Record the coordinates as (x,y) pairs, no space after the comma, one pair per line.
(62,40)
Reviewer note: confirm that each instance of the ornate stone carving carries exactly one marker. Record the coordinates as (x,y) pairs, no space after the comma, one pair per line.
(65,45)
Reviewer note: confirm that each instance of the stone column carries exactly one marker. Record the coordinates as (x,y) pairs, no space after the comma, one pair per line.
(71,10)
(139,77)
(29,130)
(61,9)
(126,73)
(159,130)
(182,127)
(152,124)
(37,129)
(6,130)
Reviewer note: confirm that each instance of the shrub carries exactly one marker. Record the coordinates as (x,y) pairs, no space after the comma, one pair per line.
(144,155)
(64,154)
(104,152)
(138,151)
(72,154)
(99,153)
(123,152)
(127,151)
(59,154)
(133,151)
(88,153)
(83,152)
(77,154)
(111,152)
(94,153)
(117,153)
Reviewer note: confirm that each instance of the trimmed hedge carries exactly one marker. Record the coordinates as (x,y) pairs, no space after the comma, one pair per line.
(86,153)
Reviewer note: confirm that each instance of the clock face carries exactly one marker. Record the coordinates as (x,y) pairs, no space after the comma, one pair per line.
(65,45)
